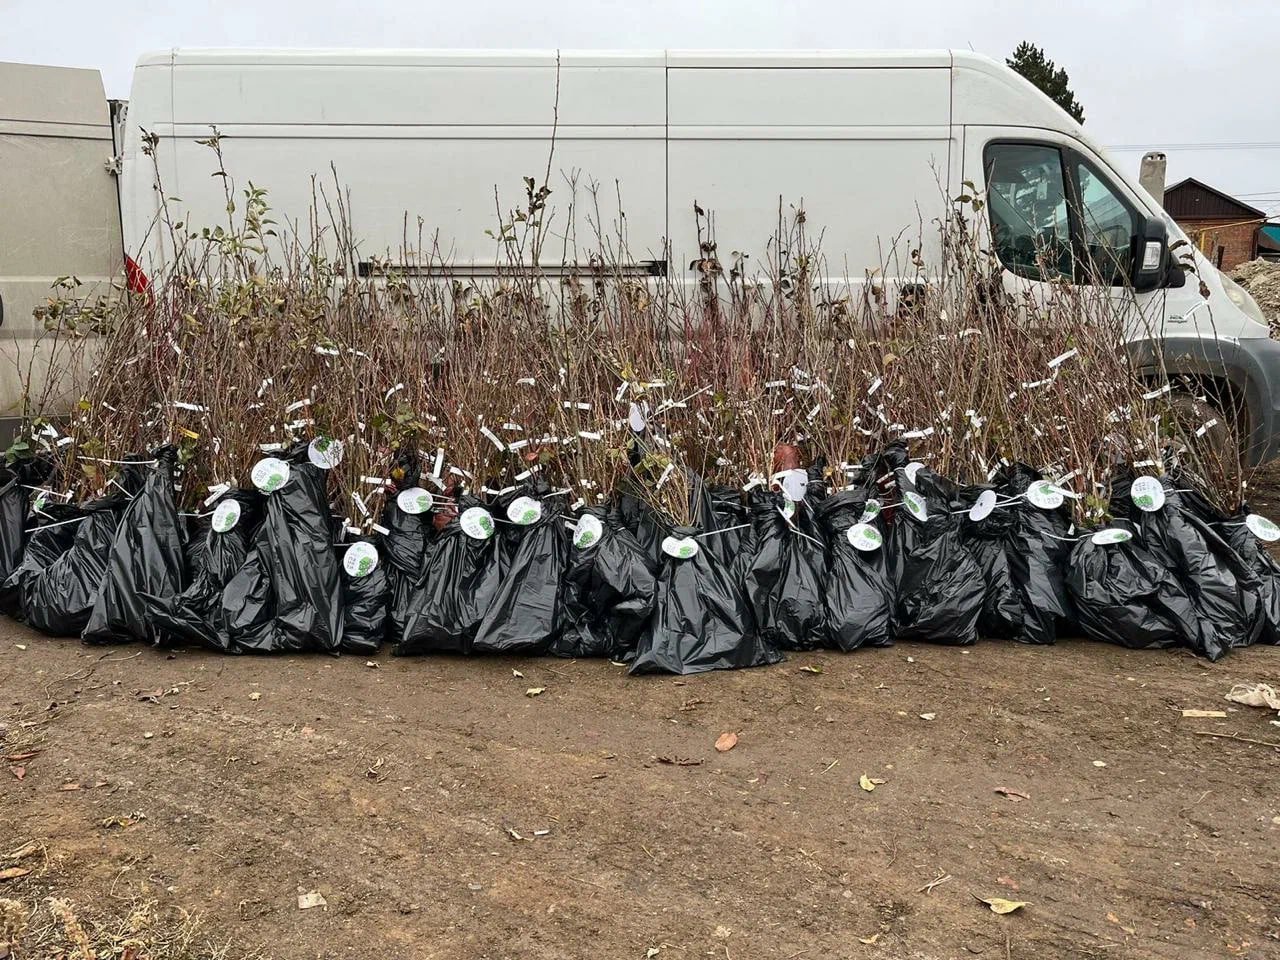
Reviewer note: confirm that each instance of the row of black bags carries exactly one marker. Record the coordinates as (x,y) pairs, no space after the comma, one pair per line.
(898,553)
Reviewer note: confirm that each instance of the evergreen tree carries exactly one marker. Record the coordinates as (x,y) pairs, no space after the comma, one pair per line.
(1030,61)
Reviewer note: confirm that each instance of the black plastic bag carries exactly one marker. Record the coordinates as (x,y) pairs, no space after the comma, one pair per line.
(403,551)
(725,517)
(366,591)
(1022,550)
(146,560)
(216,550)
(609,589)
(287,597)
(15,504)
(643,522)
(1222,590)
(938,585)
(526,613)
(1121,594)
(857,585)
(1264,569)
(460,576)
(701,619)
(785,580)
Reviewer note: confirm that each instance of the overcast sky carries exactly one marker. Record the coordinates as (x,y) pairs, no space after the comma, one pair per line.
(1197,79)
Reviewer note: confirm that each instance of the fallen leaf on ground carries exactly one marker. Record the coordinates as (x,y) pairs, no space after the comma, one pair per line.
(869,783)
(535,691)
(308,900)
(13,873)
(811,669)
(150,696)
(1199,714)
(1017,796)
(19,757)
(869,941)
(19,772)
(679,761)
(928,716)
(517,673)
(1001,905)
(726,742)
(1116,920)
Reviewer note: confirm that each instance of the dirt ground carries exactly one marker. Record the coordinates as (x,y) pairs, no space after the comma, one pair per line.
(442,812)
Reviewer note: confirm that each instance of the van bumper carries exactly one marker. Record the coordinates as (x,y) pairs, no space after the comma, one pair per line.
(1251,366)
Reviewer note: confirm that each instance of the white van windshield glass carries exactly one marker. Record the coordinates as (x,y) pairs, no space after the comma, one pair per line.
(1026,195)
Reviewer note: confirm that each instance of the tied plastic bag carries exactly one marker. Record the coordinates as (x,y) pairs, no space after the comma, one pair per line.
(608,589)
(287,597)
(1222,590)
(938,585)
(856,585)
(721,511)
(365,595)
(526,613)
(460,576)
(216,549)
(701,619)
(1022,550)
(146,560)
(403,547)
(1262,567)
(65,561)
(15,502)
(785,580)
(1121,594)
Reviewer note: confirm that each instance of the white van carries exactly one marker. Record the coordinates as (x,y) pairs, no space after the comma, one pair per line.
(870,143)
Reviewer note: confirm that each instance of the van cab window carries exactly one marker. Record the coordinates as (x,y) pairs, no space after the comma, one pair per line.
(1027,200)
(1107,228)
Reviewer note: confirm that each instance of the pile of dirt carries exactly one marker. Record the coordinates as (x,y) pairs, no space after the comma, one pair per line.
(1262,279)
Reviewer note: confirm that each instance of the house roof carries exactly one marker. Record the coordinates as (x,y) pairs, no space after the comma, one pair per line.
(1190,199)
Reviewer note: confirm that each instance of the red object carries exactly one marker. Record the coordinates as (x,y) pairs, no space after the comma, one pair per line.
(135,279)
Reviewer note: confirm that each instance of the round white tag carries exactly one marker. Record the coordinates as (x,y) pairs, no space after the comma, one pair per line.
(225,516)
(915,505)
(360,560)
(1262,528)
(912,468)
(269,474)
(588,531)
(864,537)
(982,508)
(325,452)
(788,508)
(476,523)
(635,417)
(795,483)
(1044,495)
(524,511)
(415,500)
(1147,494)
(682,548)
(870,510)
(1111,535)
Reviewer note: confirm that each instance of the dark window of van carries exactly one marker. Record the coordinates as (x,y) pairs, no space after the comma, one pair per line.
(1107,228)
(1027,201)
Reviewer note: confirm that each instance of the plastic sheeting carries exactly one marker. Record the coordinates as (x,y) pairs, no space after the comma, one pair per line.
(701,620)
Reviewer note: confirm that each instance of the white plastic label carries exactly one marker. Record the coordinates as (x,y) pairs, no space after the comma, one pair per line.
(325,452)
(864,537)
(1044,495)
(1111,535)
(269,474)
(912,468)
(982,508)
(524,511)
(682,548)
(915,505)
(225,516)
(1147,494)
(588,531)
(795,483)
(360,560)
(788,508)
(635,418)
(476,523)
(414,501)
(870,510)
(1262,528)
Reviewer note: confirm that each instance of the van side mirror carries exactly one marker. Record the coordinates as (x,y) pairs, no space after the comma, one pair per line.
(1150,255)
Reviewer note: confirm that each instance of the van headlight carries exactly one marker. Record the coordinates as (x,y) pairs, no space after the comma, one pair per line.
(1242,299)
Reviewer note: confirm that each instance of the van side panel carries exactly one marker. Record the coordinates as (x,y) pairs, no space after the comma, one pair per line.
(866,153)
(58,217)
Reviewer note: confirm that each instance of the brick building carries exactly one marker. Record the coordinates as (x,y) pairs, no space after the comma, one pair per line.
(1225,230)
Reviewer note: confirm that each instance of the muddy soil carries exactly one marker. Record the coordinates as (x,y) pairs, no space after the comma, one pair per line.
(443,812)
